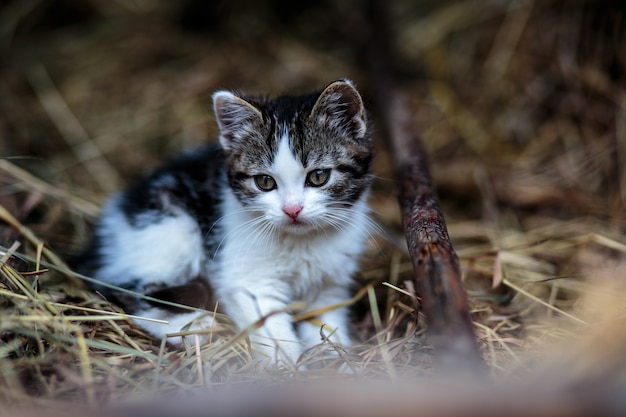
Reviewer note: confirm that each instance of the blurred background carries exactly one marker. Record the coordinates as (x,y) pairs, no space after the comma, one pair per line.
(520,105)
(95,93)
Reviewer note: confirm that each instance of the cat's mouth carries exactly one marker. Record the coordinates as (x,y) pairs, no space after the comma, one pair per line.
(298,225)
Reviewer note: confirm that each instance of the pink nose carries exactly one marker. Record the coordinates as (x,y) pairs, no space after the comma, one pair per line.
(292,210)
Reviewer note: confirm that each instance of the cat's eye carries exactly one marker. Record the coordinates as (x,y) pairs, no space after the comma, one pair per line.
(318,177)
(264,182)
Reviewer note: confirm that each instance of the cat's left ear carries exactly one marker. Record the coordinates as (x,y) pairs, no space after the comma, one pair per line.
(340,106)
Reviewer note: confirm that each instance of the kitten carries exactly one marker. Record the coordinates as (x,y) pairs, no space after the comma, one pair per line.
(273,214)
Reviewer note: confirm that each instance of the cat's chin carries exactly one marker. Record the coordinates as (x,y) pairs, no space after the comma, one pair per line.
(299,227)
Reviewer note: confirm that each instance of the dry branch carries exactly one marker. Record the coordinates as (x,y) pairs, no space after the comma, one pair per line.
(435,263)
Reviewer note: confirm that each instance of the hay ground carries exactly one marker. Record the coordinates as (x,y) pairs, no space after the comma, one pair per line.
(521,107)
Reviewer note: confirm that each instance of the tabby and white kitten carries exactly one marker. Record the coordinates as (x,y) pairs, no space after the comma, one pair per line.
(274,215)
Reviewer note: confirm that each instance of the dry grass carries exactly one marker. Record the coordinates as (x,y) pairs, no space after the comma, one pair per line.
(521,108)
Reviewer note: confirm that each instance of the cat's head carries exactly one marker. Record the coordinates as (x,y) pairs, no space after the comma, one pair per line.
(300,162)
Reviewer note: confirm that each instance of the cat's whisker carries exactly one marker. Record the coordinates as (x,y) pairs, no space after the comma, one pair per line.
(238,231)
(206,236)
(348,209)
(257,234)
(272,232)
(232,213)
(345,217)
(371,223)
(337,223)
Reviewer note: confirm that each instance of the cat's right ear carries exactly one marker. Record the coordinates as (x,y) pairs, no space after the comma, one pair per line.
(235,117)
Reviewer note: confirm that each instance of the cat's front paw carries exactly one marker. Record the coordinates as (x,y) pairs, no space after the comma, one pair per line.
(196,331)
(277,354)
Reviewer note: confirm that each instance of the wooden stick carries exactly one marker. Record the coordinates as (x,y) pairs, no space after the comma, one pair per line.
(437,273)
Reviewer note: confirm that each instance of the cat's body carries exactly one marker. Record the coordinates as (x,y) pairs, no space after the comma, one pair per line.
(275,214)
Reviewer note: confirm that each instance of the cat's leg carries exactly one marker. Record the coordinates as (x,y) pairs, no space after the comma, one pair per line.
(336,322)
(263,310)
(160,323)
(170,313)
(196,293)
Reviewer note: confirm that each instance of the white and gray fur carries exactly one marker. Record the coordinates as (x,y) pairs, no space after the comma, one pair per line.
(203,222)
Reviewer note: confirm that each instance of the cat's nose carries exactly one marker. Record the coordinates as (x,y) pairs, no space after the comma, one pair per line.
(292,210)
